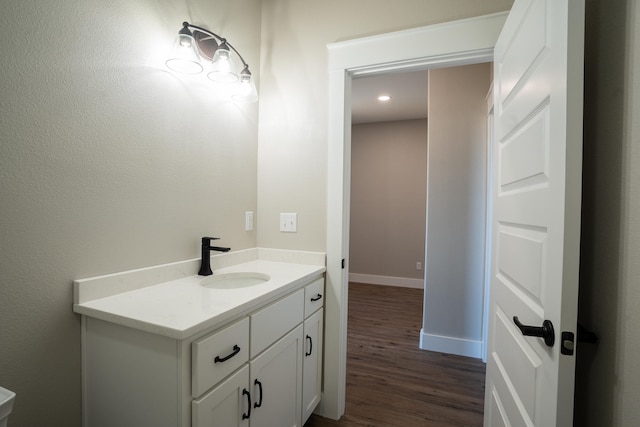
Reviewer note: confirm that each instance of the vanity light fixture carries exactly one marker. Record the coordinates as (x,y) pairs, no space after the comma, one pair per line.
(197,49)
(384,98)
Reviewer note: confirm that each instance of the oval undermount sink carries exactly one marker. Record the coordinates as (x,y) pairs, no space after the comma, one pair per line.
(234,280)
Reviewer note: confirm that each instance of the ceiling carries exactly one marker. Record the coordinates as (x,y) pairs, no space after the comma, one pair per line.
(408,91)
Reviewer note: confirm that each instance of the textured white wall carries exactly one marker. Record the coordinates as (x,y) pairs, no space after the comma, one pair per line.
(107,163)
(456,201)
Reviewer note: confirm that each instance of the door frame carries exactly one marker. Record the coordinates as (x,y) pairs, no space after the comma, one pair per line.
(454,43)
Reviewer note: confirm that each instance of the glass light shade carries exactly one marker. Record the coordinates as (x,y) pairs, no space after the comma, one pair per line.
(222,66)
(246,90)
(184,56)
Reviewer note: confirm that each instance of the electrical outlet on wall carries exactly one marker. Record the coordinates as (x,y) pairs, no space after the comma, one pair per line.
(289,222)
(418,266)
(248,221)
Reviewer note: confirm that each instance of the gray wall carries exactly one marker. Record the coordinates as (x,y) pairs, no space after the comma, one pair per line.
(456,202)
(388,192)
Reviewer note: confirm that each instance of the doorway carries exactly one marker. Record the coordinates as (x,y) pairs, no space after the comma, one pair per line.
(390,200)
(428,47)
(388,179)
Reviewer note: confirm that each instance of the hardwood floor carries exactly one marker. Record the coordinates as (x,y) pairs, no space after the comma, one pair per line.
(390,381)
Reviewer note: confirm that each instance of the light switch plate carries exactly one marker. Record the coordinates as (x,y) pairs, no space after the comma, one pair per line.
(289,222)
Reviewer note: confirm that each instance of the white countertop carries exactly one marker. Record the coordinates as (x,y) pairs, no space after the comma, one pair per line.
(182,307)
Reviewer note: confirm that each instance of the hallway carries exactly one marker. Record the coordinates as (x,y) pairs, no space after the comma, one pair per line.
(390,381)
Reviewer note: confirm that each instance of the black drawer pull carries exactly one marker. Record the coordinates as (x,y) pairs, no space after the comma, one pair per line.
(235,351)
(316,298)
(248,414)
(310,346)
(259,403)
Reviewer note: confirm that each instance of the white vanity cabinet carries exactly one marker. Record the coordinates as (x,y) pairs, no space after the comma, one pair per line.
(282,385)
(261,369)
(272,392)
(264,393)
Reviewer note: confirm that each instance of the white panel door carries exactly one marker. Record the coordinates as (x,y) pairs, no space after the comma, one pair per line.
(536,228)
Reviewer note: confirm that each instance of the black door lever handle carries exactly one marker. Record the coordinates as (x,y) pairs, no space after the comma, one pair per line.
(545,331)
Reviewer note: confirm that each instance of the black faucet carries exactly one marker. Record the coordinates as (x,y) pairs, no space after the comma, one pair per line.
(205,264)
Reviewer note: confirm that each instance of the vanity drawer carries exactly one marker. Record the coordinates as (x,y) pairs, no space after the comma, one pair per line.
(275,320)
(218,355)
(313,297)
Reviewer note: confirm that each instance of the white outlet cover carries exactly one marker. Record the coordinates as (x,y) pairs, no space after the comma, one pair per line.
(248,221)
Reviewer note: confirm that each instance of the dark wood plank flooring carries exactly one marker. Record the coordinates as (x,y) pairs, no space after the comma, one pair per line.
(390,381)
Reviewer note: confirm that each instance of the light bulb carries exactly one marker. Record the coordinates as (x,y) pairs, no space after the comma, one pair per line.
(222,66)
(246,90)
(184,56)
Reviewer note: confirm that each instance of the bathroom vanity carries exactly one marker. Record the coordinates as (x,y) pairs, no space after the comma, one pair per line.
(182,354)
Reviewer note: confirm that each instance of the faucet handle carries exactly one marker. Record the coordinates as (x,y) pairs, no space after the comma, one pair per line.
(207,240)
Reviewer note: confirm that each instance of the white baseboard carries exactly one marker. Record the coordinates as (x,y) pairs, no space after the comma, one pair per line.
(442,344)
(387,280)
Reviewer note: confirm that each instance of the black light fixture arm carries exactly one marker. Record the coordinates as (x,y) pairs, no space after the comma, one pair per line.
(220,38)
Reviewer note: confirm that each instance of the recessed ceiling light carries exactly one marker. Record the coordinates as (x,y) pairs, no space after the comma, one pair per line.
(384,98)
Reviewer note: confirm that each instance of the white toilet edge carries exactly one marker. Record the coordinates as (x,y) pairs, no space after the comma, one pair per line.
(6,403)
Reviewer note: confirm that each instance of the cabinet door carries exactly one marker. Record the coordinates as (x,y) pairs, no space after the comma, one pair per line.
(312,364)
(227,405)
(276,383)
